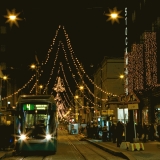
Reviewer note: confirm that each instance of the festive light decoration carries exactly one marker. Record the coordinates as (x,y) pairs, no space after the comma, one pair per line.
(20,89)
(49,51)
(75,60)
(54,64)
(81,79)
(59,88)
(67,83)
(150,51)
(136,68)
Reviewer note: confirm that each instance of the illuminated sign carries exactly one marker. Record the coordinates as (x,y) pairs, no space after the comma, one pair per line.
(126,53)
(28,107)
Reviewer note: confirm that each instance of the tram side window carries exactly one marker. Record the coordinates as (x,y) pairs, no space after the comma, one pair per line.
(18,125)
(52,123)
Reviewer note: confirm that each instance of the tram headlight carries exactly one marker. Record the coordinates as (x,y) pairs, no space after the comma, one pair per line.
(48,136)
(23,137)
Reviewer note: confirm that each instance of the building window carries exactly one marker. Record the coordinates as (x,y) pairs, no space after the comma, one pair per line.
(2,30)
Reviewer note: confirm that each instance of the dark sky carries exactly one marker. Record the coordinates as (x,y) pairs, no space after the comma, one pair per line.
(91,36)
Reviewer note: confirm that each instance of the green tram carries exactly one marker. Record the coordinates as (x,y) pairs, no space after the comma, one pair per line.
(36,124)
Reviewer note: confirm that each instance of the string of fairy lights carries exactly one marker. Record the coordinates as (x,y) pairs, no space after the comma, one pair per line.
(142,62)
(78,74)
(150,51)
(51,73)
(149,59)
(80,66)
(20,89)
(25,85)
(48,55)
(77,85)
(136,68)
(58,97)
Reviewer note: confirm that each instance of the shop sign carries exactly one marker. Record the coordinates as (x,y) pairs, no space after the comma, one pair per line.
(107,112)
(132,106)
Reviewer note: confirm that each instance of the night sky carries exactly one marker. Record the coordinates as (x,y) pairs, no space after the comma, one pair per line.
(91,36)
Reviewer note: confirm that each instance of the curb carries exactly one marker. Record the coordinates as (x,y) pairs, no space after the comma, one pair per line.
(113,152)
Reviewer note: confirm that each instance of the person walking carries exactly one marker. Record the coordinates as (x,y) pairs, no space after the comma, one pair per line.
(158,131)
(113,132)
(104,133)
(139,130)
(145,131)
(152,132)
(119,131)
(88,130)
(130,131)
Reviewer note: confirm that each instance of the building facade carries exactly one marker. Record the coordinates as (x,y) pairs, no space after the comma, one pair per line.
(108,86)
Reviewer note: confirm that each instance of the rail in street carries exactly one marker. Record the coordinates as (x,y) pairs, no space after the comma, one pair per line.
(70,147)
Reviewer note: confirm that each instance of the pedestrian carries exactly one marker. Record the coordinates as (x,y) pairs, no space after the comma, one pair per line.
(113,132)
(139,130)
(130,131)
(95,131)
(91,131)
(145,131)
(119,133)
(88,130)
(152,132)
(104,133)
(158,131)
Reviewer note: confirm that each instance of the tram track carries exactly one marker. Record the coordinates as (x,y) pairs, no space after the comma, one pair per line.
(90,150)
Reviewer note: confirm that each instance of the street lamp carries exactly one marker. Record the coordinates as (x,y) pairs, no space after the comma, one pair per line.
(113,15)
(12,17)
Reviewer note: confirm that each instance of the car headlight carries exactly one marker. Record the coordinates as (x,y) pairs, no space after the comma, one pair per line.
(48,136)
(23,137)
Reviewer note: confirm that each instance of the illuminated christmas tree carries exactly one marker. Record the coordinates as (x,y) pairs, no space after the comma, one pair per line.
(59,88)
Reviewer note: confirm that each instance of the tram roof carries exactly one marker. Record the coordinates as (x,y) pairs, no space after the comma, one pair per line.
(36,98)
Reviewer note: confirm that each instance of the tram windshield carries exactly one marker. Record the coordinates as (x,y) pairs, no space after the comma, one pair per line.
(35,120)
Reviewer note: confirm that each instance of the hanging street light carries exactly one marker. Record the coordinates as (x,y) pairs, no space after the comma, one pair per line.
(12,17)
(113,15)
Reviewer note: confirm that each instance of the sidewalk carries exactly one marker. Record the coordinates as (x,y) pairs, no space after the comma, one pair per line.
(151,150)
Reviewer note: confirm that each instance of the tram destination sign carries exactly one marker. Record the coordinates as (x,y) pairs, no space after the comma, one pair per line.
(28,107)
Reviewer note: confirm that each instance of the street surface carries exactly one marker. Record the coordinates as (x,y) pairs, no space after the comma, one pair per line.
(70,147)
